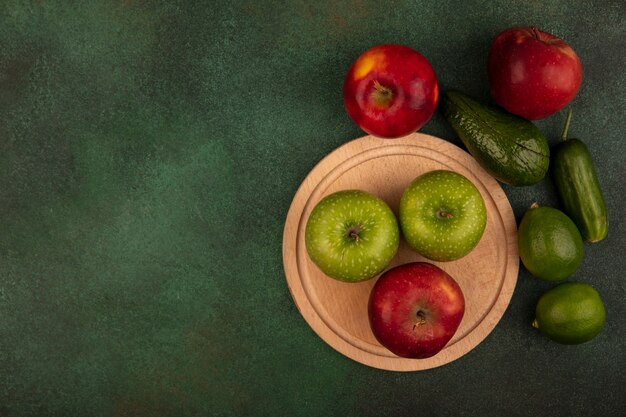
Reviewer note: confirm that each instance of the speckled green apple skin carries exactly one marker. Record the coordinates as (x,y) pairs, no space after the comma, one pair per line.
(442,215)
(344,257)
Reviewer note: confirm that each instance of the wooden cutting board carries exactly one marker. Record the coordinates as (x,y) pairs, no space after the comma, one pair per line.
(337,311)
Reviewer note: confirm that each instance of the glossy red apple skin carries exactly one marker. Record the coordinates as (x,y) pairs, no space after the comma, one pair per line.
(532,73)
(391,91)
(415,309)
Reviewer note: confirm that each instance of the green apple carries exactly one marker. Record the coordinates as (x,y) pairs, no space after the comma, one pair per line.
(442,215)
(352,235)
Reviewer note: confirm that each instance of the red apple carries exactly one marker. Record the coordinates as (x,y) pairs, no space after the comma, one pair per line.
(532,74)
(415,309)
(391,91)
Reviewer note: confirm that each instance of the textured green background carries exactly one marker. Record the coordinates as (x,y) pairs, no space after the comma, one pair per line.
(149,152)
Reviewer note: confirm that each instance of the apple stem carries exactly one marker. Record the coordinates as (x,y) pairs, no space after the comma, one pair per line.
(353,232)
(422,319)
(382,95)
(442,214)
(534,205)
(566,127)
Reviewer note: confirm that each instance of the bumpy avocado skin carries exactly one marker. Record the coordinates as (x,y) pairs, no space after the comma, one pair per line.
(510,148)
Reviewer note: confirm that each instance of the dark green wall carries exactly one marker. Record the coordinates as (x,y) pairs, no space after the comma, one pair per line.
(149,152)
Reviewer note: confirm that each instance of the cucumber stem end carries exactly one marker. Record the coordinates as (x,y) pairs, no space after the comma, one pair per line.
(566,127)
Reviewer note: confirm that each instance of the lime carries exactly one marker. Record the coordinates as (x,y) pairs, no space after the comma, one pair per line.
(550,245)
(570,313)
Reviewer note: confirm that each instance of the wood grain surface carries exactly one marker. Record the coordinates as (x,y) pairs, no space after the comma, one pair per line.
(337,311)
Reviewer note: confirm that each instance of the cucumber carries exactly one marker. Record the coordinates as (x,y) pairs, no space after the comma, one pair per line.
(510,148)
(578,187)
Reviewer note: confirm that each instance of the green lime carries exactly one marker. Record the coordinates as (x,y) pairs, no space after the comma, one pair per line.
(570,313)
(550,244)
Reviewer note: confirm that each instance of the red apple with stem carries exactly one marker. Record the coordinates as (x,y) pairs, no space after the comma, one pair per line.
(415,309)
(391,91)
(532,73)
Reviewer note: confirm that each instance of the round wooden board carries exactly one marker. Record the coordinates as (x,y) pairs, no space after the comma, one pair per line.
(337,311)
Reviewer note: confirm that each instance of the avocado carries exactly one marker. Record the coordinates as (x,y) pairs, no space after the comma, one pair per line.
(510,148)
